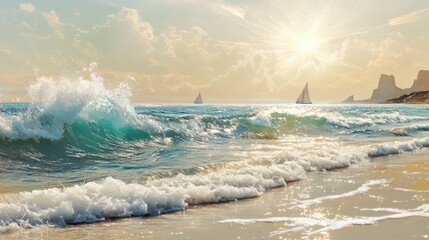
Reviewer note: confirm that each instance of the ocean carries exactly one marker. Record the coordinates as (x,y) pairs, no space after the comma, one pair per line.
(85,154)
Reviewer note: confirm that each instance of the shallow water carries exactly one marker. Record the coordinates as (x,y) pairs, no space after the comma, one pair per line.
(385,199)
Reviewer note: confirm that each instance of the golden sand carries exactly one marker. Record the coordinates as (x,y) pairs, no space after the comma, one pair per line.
(327,199)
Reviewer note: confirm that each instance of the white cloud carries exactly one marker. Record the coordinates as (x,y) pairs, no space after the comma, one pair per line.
(5,51)
(87,49)
(55,22)
(386,54)
(131,18)
(127,41)
(236,11)
(35,36)
(27,7)
(52,18)
(24,25)
(390,52)
(408,18)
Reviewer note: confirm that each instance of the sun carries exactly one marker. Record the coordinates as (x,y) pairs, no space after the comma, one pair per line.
(303,42)
(306,43)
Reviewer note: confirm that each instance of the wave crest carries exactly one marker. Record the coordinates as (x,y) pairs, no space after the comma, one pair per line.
(60,102)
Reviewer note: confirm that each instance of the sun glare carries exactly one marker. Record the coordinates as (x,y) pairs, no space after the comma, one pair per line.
(300,38)
(304,43)
(307,43)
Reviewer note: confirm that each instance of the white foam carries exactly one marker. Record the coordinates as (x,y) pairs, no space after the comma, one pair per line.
(90,202)
(113,198)
(395,210)
(411,173)
(362,120)
(393,148)
(364,188)
(263,118)
(61,101)
(411,190)
(326,225)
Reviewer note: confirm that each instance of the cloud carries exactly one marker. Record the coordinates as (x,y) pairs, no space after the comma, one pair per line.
(27,7)
(233,10)
(131,18)
(408,18)
(35,36)
(356,53)
(5,51)
(390,52)
(176,61)
(387,54)
(185,43)
(25,26)
(126,36)
(124,41)
(87,49)
(52,18)
(55,22)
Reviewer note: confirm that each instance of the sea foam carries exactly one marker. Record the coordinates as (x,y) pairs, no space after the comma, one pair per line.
(364,188)
(325,225)
(113,198)
(61,101)
(394,148)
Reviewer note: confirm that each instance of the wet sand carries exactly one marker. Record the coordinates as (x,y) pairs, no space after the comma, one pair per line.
(385,199)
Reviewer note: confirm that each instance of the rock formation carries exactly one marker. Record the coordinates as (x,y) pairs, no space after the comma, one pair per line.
(387,88)
(414,98)
(349,99)
(421,83)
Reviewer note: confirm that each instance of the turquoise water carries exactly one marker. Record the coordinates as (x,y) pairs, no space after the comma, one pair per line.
(115,159)
(37,149)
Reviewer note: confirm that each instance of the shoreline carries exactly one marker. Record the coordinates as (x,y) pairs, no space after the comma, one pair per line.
(324,196)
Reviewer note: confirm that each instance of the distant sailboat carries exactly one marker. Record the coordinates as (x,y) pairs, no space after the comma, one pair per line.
(304,97)
(199,99)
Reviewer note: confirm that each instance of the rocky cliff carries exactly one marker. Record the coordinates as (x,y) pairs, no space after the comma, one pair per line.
(386,89)
(421,83)
(412,98)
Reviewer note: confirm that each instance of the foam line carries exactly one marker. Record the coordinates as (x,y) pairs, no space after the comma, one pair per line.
(364,188)
(411,190)
(326,225)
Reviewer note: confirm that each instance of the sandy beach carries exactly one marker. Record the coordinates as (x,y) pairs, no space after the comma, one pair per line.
(384,199)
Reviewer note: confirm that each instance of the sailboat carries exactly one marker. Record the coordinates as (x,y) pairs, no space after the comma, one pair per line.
(304,97)
(199,99)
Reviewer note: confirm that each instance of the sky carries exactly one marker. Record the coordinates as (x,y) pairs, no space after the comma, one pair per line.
(230,51)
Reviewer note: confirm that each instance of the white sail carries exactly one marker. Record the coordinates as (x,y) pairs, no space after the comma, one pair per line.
(199,99)
(304,97)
